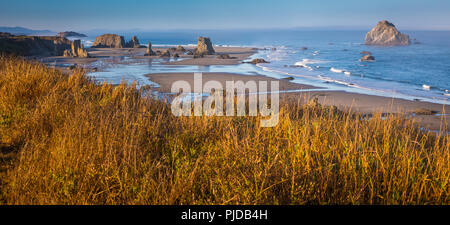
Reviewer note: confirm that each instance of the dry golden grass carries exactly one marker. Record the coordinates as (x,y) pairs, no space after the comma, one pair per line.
(66,140)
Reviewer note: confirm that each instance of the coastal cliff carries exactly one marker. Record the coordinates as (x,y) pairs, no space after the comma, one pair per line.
(34,45)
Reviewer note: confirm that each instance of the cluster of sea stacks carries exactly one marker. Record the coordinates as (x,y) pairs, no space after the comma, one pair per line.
(204,47)
(77,50)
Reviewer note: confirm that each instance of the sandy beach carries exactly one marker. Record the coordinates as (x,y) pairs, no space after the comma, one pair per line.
(429,115)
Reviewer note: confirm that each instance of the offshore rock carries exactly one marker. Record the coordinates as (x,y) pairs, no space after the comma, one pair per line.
(386,34)
(204,47)
(109,41)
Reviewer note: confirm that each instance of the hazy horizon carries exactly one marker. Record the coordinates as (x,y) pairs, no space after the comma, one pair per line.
(86,15)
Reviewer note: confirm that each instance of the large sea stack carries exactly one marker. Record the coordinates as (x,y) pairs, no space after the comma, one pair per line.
(109,41)
(385,34)
(204,46)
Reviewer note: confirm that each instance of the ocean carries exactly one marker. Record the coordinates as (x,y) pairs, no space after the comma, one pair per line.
(323,58)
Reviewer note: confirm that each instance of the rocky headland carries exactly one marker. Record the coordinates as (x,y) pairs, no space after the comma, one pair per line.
(70,34)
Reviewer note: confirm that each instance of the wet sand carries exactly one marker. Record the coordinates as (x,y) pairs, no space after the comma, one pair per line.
(165,80)
(425,113)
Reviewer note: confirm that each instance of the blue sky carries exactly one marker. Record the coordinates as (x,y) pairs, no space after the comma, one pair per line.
(83,15)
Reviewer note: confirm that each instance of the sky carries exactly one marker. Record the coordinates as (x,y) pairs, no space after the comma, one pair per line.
(84,15)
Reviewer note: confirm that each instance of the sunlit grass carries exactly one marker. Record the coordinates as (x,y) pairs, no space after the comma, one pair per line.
(66,140)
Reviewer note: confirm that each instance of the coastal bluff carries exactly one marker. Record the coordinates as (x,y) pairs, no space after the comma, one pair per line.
(33,45)
(386,34)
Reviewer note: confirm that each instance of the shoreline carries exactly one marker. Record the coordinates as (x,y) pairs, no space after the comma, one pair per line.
(165,80)
(364,103)
(428,115)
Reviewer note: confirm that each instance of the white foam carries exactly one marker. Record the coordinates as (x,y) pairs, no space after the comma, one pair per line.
(87,43)
(426,87)
(300,64)
(306,62)
(344,83)
(334,70)
(277,55)
(267,69)
(312,64)
(233,46)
